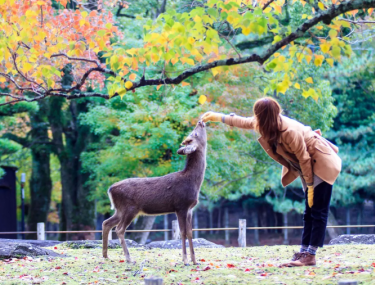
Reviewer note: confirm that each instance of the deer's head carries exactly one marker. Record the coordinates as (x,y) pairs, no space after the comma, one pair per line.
(197,139)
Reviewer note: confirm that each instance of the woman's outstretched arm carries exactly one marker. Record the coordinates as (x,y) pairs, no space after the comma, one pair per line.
(231,120)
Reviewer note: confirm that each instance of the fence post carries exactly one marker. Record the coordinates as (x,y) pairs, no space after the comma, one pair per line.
(40,231)
(242,233)
(175,230)
(153,281)
(110,235)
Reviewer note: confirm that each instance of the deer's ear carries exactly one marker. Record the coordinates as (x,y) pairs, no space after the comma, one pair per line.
(187,149)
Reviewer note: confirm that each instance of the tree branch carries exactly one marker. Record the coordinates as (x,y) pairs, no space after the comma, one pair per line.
(118,14)
(267,4)
(76,58)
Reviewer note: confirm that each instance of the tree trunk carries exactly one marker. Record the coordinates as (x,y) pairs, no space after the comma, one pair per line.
(40,181)
(285,220)
(332,232)
(348,220)
(195,218)
(226,225)
(255,218)
(146,224)
(166,226)
(70,140)
(211,217)
(219,219)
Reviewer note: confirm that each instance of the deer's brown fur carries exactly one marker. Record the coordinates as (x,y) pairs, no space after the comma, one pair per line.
(173,193)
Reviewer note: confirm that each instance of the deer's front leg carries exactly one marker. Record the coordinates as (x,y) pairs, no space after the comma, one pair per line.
(189,233)
(182,220)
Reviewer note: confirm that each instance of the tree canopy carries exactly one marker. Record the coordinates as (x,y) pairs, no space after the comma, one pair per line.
(36,41)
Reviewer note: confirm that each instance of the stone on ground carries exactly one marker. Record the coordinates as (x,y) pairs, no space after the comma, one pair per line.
(353,239)
(19,250)
(80,244)
(173,244)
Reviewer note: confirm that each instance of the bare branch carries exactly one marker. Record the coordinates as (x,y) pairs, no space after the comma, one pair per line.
(76,58)
(358,22)
(23,75)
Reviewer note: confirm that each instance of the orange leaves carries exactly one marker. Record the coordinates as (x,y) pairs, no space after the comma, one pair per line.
(185,83)
(62,2)
(73,33)
(132,76)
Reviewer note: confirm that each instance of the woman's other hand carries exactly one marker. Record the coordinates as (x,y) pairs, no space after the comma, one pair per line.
(212,117)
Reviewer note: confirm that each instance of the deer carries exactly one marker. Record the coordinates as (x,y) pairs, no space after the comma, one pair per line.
(177,192)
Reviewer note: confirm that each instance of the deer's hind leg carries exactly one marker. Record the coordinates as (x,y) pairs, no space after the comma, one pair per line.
(189,233)
(126,219)
(107,227)
(182,221)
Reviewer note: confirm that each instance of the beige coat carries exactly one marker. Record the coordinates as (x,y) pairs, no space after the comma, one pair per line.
(299,144)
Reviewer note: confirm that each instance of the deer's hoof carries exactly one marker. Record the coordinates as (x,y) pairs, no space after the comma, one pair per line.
(186,264)
(105,256)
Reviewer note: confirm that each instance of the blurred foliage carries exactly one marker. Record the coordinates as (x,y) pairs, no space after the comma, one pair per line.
(354,129)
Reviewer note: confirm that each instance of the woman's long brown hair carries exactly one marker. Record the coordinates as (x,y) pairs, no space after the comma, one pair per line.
(268,121)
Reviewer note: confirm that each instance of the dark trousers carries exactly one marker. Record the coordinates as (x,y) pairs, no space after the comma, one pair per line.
(315,218)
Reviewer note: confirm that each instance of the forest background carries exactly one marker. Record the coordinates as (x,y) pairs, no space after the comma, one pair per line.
(72,150)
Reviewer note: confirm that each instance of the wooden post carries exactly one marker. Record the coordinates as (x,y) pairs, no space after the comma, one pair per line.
(226,222)
(110,235)
(175,230)
(153,281)
(41,235)
(195,217)
(166,226)
(242,233)
(347,282)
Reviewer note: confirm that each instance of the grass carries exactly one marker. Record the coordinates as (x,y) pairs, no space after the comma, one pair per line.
(217,266)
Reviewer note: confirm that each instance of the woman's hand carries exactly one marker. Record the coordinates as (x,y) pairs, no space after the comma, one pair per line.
(212,117)
(310,195)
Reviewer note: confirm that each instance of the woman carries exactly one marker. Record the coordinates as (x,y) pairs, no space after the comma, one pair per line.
(302,152)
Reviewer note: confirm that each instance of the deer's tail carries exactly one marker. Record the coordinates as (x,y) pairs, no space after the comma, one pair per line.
(110,199)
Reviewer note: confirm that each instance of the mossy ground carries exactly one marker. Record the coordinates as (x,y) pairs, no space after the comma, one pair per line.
(217,266)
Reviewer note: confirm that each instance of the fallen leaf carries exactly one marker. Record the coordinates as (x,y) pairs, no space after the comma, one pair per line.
(229,265)
(122,260)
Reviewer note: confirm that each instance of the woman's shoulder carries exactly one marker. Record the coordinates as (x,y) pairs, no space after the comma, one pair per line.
(292,128)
